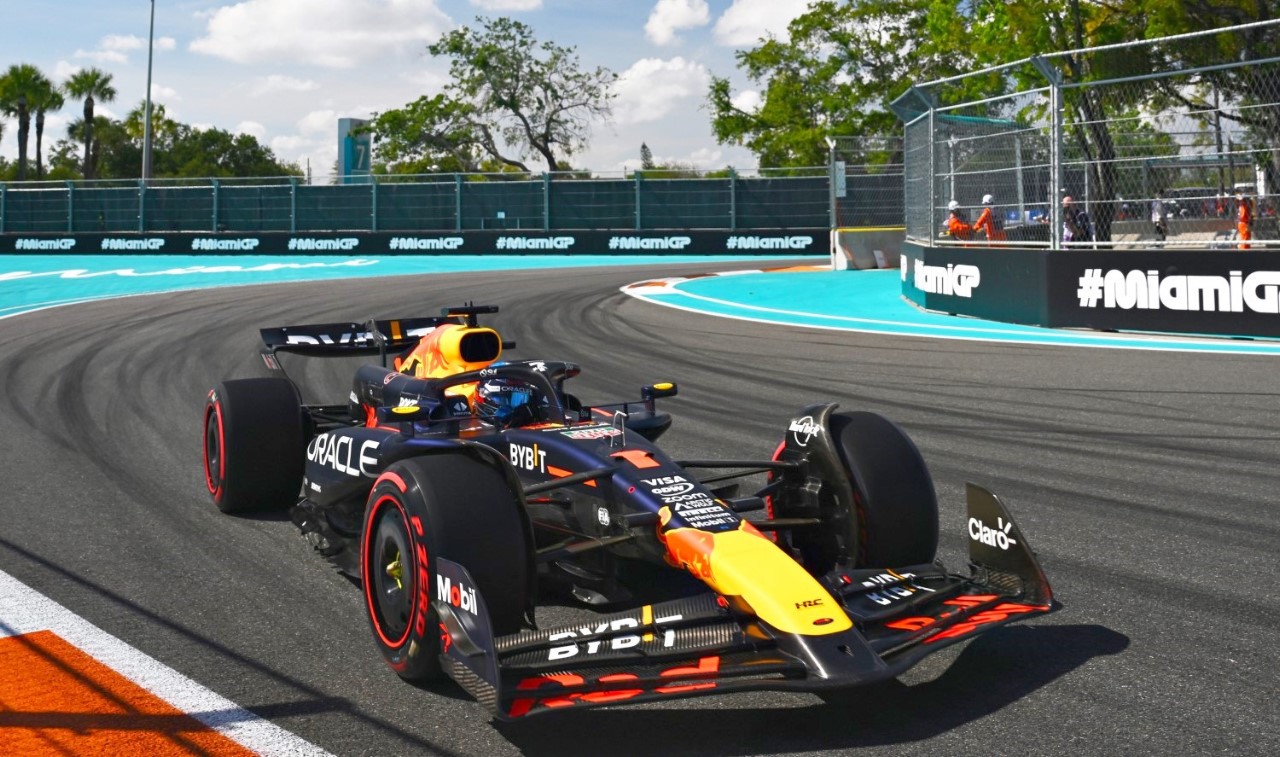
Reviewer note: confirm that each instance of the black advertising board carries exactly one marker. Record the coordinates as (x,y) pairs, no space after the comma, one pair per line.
(998,284)
(1203,291)
(1233,292)
(771,242)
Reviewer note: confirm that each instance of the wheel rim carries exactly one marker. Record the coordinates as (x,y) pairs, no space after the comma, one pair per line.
(213,450)
(390,574)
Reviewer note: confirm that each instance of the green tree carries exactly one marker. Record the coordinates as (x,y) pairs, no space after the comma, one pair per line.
(19,86)
(163,129)
(45,99)
(646,157)
(533,96)
(216,152)
(832,75)
(1239,95)
(91,85)
(64,160)
(429,135)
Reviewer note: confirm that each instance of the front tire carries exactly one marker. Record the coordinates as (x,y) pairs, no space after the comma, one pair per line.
(254,444)
(456,506)
(897,509)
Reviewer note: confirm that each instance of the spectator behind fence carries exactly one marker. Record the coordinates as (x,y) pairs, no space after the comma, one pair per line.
(1160,217)
(957,225)
(1244,219)
(1076,226)
(988,222)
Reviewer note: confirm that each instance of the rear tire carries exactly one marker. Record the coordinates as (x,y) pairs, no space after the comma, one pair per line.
(254,444)
(455,506)
(897,509)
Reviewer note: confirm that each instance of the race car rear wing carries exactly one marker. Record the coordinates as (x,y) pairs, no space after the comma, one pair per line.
(369,338)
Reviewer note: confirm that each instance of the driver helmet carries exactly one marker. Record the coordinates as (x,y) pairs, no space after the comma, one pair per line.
(501,399)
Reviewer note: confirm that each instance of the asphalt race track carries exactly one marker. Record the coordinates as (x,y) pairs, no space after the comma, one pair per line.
(1146,481)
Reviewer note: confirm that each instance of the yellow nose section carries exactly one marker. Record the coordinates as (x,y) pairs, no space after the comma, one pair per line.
(744,564)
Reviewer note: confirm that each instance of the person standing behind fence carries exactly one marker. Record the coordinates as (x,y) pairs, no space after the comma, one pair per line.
(988,222)
(1244,219)
(957,225)
(1160,217)
(1075,223)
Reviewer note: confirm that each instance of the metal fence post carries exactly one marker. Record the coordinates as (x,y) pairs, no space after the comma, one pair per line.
(71,207)
(293,205)
(831,182)
(733,199)
(933,169)
(373,213)
(1017,165)
(142,205)
(213,227)
(457,202)
(638,176)
(1055,148)
(546,201)
(3,190)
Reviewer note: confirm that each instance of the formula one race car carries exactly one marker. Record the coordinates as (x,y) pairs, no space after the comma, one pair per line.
(458,488)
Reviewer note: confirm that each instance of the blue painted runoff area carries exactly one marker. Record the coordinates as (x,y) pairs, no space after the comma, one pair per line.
(865,301)
(871,302)
(36,282)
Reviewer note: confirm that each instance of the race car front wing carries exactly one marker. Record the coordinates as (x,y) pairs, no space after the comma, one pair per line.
(710,644)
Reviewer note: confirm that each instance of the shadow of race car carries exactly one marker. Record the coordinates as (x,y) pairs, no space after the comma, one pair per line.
(455,488)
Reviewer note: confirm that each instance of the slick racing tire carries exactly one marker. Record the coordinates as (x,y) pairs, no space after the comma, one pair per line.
(897,510)
(254,444)
(456,506)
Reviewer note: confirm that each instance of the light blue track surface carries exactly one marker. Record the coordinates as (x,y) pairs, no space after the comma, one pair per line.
(866,301)
(35,282)
(871,301)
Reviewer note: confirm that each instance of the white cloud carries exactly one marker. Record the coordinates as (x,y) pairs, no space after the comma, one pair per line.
(291,144)
(331,33)
(115,48)
(252,128)
(62,70)
(747,101)
(161,93)
(122,43)
(265,85)
(507,5)
(651,88)
(103,56)
(319,122)
(747,21)
(670,16)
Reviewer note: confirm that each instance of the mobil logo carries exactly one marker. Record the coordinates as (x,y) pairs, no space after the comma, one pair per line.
(456,594)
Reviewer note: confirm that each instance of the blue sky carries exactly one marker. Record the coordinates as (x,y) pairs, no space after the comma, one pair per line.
(286,70)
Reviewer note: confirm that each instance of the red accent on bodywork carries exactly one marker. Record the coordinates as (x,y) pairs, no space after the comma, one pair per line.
(562,473)
(394,478)
(638,457)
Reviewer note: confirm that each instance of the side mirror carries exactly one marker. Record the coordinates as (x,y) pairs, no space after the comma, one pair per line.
(661,389)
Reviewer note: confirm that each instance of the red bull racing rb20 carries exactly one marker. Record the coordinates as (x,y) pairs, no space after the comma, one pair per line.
(459,489)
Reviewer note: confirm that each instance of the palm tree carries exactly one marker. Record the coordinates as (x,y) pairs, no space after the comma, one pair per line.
(18,87)
(46,98)
(90,84)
